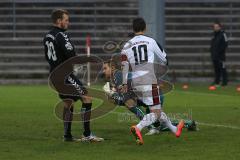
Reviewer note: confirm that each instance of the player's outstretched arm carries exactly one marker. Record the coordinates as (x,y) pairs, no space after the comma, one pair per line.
(159,51)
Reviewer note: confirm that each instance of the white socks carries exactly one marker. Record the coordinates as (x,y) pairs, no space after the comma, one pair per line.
(147,120)
(152,117)
(168,123)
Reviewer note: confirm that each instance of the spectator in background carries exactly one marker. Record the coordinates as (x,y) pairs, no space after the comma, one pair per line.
(218,48)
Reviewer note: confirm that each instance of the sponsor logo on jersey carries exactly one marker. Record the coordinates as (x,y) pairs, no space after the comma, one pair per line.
(69,46)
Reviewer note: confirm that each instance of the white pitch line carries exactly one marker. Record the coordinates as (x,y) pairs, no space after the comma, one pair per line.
(205,94)
(218,125)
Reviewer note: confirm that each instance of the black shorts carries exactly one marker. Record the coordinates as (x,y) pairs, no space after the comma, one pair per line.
(74,98)
(79,89)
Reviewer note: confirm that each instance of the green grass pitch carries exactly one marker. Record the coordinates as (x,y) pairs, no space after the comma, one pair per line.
(30,131)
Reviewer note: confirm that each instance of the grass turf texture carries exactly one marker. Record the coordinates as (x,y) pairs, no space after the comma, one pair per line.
(29,129)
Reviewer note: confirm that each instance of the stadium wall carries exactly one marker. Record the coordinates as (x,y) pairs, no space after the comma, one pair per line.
(187,29)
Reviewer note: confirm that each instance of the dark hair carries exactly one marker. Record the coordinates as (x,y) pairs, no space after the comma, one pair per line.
(138,25)
(218,23)
(115,61)
(107,62)
(58,14)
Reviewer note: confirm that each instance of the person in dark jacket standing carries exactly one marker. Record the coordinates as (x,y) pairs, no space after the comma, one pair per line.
(218,48)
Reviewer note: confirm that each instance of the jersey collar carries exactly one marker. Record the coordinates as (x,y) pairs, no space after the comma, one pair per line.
(63,30)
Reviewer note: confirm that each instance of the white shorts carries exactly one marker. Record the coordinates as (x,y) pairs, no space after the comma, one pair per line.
(148,94)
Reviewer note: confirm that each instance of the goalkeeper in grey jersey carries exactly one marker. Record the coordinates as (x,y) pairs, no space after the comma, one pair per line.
(129,99)
(113,89)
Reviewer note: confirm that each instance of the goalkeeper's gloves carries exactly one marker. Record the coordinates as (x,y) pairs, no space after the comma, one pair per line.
(108,90)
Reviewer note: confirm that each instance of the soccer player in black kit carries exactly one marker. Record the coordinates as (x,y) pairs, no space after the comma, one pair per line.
(58,49)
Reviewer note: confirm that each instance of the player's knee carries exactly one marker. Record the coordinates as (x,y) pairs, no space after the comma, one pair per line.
(163,117)
(68,103)
(87,99)
(156,109)
(130,103)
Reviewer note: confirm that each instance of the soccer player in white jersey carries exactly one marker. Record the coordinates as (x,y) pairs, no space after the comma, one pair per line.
(140,53)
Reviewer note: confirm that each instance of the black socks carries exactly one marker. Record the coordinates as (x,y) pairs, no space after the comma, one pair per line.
(86,116)
(67,121)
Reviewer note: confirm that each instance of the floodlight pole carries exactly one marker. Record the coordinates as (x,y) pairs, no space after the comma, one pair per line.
(153,11)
